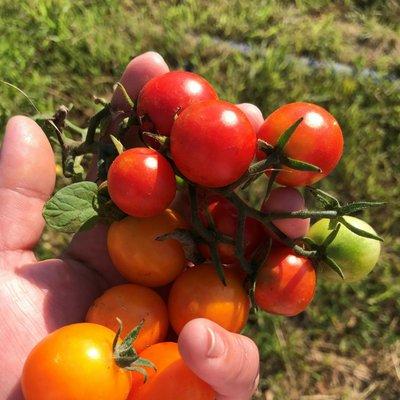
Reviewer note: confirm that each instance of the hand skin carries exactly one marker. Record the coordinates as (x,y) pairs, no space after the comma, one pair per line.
(39,297)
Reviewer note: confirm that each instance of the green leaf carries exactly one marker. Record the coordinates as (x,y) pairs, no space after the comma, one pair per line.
(332,223)
(131,337)
(271,181)
(261,166)
(284,138)
(360,205)
(72,207)
(300,165)
(118,145)
(125,94)
(143,362)
(331,237)
(360,232)
(326,198)
(309,241)
(139,370)
(264,146)
(334,266)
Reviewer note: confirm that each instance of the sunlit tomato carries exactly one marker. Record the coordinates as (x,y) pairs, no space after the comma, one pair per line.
(212,143)
(172,380)
(131,304)
(355,255)
(139,257)
(141,182)
(317,140)
(165,95)
(224,215)
(199,293)
(75,362)
(284,199)
(286,283)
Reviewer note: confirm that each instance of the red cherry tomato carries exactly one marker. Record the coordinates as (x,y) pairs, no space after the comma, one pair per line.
(224,215)
(317,140)
(286,283)
(213,143)
(141,182)
(165,95)
(284,199)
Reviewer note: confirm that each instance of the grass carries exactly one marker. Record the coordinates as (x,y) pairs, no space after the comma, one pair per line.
(347,346)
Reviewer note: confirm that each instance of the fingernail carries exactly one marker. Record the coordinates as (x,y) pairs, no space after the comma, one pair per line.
(216,346)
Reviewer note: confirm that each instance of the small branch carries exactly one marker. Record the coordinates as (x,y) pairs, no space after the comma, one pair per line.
(208,236)
(95,122)
(240,247)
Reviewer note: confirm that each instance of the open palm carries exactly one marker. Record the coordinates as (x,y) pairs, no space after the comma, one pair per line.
(38,297)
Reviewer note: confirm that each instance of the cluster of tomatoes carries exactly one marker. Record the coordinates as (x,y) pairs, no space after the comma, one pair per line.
(212,144)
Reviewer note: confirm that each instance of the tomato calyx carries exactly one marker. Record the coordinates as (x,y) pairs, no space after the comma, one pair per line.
(329,202)
(124,354)
(188,241)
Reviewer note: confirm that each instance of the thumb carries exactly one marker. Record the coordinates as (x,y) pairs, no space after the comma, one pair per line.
(228,362)
(27,175)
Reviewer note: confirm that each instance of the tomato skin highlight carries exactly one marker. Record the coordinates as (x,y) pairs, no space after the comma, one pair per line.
(285,284)
(318,140)
(139,257)
(173,380)
(355,255)
(213,143)
(75,362)
(131,304)
(224,215)
(285,199)
(141,182)
(199,293)
(165,95)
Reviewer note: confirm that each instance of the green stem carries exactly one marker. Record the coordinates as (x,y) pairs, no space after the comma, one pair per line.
(76,129)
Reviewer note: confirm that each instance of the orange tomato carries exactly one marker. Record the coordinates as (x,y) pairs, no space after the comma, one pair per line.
(199,293)
(139,257)
(75,362)
(132,303)
(172,380)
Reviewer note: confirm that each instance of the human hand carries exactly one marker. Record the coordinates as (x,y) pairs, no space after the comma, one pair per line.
(39,297)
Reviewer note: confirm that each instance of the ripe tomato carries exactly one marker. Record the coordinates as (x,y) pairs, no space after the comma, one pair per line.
(132,304)
(141,182)
(355,255)
(165,95)
(213,143)
(284,199)
(173,380)
(317,140)
(224,215)
(199,293)
(139,257)
(286,283)
(75,362)
(238,270)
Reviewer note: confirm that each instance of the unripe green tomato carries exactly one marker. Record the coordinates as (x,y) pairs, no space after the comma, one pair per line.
(355,255)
